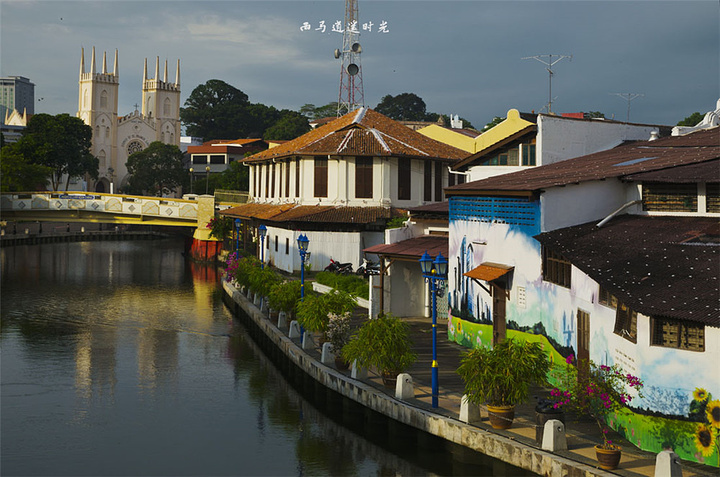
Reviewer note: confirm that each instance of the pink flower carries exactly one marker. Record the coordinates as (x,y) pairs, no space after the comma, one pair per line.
(570,359)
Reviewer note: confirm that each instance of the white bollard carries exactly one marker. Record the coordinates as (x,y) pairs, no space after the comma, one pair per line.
(307,341)
(469,412)
(294,329)
(327,356)
(256,299)
(404,388)
(357,372)
(263,306)
(667,464)
(282,320)
(554,436)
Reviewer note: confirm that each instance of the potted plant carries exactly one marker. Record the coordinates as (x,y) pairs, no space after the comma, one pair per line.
(501,376)
(383,343)
(338,334)
(597,391)
(312,313)
(284,296)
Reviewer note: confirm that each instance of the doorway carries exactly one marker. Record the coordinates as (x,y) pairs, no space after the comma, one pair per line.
(500,297)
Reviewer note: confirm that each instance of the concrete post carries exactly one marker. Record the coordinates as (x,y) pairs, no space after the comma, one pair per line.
(554,436)
(307,341)
(469,412)
(404,388)
(357,372)
(327,356)
(667,464)
(282,320)
(294,329)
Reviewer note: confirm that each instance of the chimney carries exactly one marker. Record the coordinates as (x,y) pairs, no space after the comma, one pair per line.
(654,134)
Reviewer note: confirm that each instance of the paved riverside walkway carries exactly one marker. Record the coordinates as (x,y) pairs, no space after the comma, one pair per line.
(582,435)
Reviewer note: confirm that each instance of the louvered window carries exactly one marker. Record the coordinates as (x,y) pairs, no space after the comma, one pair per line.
(606,298)
(677,334)
(713,197)
(321,177)
(438,181)
(297,177)
(662,197)
(363,177)
(427,190)
(287,179)
(626,323)
(556,269)
(404,188)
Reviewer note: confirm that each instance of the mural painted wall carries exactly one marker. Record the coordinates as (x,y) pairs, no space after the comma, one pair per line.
(678,410)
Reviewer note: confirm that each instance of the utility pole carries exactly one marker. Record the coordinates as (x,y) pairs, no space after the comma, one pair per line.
(629,97)
(549,64)
(351,84)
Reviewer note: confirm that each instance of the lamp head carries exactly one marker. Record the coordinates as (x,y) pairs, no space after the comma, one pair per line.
(441,265)
(303,242)
(237,223)
(425,263)
(262,230)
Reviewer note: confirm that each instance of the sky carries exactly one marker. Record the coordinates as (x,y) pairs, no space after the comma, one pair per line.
(461,57)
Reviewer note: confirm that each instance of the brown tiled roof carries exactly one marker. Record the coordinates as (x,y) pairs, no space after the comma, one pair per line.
(433,208)
(708,171)
(314,213)
(639,156)
(658,266)
(412,249)
(363,132)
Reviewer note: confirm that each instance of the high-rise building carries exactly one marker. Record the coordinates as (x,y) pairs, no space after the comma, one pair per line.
(16,93)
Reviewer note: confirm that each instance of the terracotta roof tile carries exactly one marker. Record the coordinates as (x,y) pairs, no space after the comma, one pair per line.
(363,132)
(314,213)
(412,249)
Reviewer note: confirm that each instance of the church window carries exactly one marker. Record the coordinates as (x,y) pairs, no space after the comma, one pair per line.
(85,99)
(107,132)
(166,107)
(162,137)
(103,99)
(134,146)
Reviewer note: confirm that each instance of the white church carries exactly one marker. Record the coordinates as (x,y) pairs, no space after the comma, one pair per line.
(116,137)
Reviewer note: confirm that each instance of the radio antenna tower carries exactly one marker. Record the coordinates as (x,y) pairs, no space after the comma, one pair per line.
(549,64)
(351,84)
(628,97)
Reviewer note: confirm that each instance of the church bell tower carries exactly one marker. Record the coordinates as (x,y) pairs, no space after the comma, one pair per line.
(161,103)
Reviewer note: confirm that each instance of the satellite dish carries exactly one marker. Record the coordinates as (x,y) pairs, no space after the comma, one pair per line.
(352,69)
(356,48)
(336,53)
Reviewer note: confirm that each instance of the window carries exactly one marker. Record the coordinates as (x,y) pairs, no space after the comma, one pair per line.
(555,268)
(166,107)
(363,177)
(677,334)
(321,177)
(103,99)
(297,177)
(606,298)
(404,178)
(134,146)
(272,193)
(287,246)
(276,243)
(287,179)
(427,191)
(626,323)
(257,180)
(712,193)
(661,197)
(267,180)
(438,181)
(217,159)
(528,154)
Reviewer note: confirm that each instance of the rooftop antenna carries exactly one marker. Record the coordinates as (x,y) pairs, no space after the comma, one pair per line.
(549,64)
(351,84)
(629,97)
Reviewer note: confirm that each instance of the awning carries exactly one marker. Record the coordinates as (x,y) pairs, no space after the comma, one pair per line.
(489,271)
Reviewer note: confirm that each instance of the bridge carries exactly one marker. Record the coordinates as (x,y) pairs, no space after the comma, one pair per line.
(73,206)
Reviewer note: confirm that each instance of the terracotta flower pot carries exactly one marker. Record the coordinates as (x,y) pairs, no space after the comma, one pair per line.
(341,364)
(608,458)
(501,417)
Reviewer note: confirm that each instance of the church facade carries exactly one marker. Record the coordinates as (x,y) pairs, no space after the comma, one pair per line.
(115,137)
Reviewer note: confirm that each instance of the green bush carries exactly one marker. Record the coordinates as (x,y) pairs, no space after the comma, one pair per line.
(285,296)
(383,342)
(312,313)
(352,284)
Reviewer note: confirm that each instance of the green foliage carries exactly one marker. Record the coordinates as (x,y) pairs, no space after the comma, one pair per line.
(220,227)
(285,296)
(235,177)
(403,107)
(396,222)
(156,169)
(352,284)
(338,330)
(595,114)
(290,125)
(261,280)
(311,111)
(17,174)
(691,120)
(383,343)
(312,313)
(60,142)
(495,121)
(502,375)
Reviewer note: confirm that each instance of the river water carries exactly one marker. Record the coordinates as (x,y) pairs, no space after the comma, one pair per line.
(119,358)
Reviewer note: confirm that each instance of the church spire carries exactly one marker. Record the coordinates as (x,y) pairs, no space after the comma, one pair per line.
(92,61)
(104,67)
(115,66)
(145,73)
(157,67)
(82,61)
(165,74)
(177,73)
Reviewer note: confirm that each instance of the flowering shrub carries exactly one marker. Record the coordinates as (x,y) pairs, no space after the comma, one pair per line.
(338,330)
(597,391)
(220,227)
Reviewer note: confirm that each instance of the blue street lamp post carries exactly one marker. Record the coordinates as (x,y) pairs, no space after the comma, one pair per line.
(302,242)
(237,235)
(262,230)
(435,277)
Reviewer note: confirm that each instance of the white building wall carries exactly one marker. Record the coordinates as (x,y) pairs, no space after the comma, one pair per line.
(560,206)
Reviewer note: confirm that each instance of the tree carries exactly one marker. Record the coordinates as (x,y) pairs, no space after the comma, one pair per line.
(216,110)
(290,125)
(62,143)
(156,169)
(403,107)
(235,177)
(311,111)
(691,120)
(495,121)
(17,174)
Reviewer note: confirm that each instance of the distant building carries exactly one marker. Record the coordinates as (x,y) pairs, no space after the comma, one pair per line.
(16,93)
(218,154)
(116,137)
(13,125)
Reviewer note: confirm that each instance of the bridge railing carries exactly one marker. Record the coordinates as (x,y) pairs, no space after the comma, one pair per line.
(168,208)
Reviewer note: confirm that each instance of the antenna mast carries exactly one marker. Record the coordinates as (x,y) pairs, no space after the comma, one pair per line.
(549,64)
(351,84)
(628,97)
